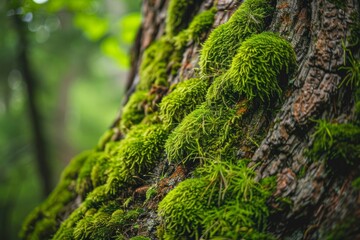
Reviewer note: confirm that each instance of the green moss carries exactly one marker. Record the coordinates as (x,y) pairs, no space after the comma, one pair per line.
(183,209)
(201,132)
(66,230)
(356,183)
(199,25)
(223,43)
(241,211)
(339,144)
(259,69)
(84,183)
(104,139)
(177,14)
(154,64)
(183,100)
(133,112)
(150,193)
(43,221)
(138,152)
(140,238)
(225,202)
(99,172)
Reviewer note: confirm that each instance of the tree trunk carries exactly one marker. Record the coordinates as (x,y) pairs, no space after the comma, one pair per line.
(303,133)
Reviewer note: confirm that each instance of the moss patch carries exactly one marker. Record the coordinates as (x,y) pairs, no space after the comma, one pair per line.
(138,152)
(224,202)
(199,25)
(133,112)
(201,133)
(183,100)
(222,44)
(258,70)
(338,143)
(42,222)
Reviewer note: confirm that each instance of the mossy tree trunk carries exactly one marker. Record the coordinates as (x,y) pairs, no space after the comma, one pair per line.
(304,133)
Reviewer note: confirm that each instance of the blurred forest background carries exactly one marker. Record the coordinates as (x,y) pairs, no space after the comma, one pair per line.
(62,76)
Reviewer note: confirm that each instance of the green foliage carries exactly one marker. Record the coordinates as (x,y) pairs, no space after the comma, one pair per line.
(256,70)
(202,131)
(339,143)
(133,111)
(199,25)
(153,68)
(138,152)
(176,15)
(183,209)
(223,43)
(352,70)
(183,100)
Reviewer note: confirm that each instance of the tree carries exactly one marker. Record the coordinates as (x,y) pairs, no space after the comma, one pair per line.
(242,121)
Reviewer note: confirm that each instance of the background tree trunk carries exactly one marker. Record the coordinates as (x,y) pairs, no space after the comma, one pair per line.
(322,200)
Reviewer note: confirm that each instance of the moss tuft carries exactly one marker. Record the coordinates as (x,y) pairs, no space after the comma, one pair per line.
(138,152)
(256,70)
(183,100)
(154,64)
(222,44)
(338,143)
(176,17)
(182,210)
(199,25)
(133,112)
(225,202)
(201,133)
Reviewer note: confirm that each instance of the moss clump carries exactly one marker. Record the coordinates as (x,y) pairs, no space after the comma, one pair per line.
(225,202)
(83,182)
(138,152)
(240,211)
(43,221)
(223,43)
(183,209)
(99,172)
(177,14)
(256,70)
(133,112)
(199,25)
(338,143)
(200,133)
(154,64)
(183,100)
